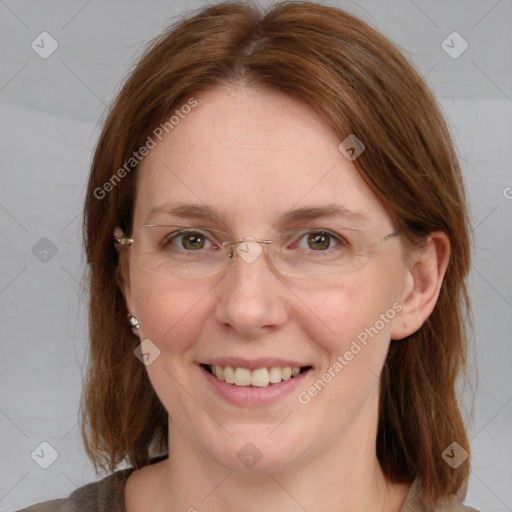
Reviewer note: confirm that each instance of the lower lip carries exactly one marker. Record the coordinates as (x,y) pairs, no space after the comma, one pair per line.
(253,396)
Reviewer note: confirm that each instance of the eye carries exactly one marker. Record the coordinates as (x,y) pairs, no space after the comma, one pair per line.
(319,241)
(187,240)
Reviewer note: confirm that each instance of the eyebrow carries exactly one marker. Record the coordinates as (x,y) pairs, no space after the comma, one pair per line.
(316,212)
(187,211)
(194,211)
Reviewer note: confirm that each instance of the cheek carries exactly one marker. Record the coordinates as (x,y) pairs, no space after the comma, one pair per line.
(172,317)
(353,333)
(168,314)
(354,318)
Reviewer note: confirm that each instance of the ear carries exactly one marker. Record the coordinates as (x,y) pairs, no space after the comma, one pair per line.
(423,283)
(124,273)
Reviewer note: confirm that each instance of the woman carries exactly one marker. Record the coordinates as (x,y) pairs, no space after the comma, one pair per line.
(277,239)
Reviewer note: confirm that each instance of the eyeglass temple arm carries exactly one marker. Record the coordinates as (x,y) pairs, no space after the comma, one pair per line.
(124,241)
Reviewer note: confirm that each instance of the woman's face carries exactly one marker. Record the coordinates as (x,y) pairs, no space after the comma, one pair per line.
(254,157)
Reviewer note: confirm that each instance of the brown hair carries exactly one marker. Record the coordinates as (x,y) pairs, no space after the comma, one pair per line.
(361,84)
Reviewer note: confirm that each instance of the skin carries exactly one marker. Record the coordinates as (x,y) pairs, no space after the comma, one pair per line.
(254,155)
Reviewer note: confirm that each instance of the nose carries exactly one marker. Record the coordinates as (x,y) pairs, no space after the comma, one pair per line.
(252,299)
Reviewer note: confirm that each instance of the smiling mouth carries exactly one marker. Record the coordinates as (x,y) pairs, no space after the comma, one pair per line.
(260,377)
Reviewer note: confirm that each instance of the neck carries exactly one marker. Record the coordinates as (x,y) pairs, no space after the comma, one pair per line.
(345,477)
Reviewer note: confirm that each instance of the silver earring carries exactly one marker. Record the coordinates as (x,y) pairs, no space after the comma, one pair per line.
(134,323)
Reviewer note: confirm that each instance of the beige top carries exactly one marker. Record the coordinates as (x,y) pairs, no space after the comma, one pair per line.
(107,495)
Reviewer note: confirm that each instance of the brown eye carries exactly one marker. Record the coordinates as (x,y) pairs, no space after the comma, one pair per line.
(319,241)
(192,241)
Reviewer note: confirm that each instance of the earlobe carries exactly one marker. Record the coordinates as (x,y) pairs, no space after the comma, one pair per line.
(423,285)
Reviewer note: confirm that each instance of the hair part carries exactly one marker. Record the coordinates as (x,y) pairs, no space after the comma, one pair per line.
(360,83)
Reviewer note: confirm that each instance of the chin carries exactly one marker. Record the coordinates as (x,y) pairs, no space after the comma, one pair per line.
(257,454)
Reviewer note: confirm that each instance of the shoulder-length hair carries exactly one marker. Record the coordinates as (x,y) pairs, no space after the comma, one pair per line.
(360,83)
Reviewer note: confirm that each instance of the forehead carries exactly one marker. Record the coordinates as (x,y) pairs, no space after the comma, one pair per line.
(252,155)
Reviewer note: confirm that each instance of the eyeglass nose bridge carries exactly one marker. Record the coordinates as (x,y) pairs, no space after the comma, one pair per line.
(250,252)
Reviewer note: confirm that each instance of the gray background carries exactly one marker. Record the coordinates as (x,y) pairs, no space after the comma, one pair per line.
(50,112)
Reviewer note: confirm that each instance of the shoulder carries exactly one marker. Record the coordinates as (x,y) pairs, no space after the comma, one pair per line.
(415,502)
(47,506)
(106,495)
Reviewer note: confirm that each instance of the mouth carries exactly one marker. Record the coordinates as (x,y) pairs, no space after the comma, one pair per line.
(257,378)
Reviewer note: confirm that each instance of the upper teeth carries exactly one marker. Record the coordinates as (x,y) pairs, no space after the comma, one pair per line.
(260,377)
